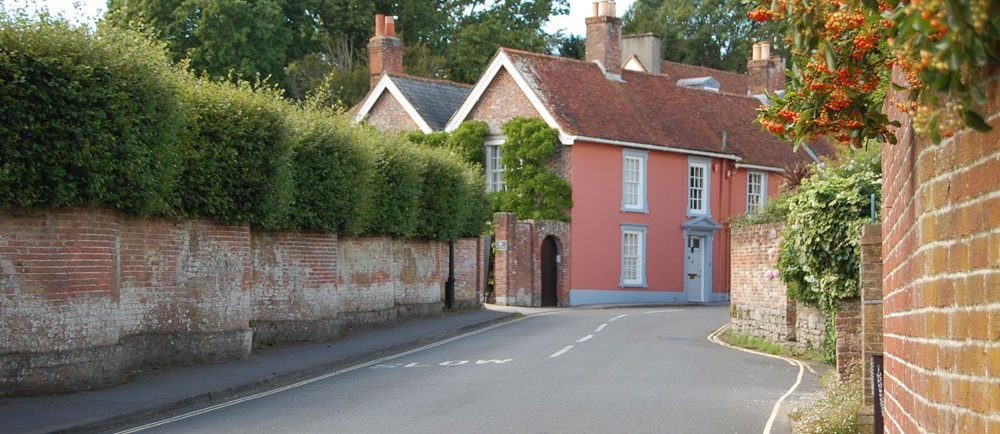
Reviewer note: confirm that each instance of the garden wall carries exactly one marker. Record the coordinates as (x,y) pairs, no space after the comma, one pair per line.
(88,295)
(760,306)
(941,285)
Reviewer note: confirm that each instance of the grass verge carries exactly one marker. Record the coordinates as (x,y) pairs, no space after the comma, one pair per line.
(766,346)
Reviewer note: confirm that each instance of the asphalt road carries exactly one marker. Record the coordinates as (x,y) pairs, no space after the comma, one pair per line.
(629,370)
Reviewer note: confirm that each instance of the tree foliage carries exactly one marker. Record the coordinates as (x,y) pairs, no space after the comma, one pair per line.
(842,53)
(711,33)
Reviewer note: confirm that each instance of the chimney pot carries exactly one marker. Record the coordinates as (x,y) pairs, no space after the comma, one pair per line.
(611,9)
(756,51)
(379,24)
(602,9)
(596,9)
(765,50)
(390,26)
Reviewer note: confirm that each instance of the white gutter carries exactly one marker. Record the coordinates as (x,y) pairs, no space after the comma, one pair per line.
(653,147)
(756,167)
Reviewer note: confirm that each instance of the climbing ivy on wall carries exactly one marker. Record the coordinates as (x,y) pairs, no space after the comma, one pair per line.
(534,190)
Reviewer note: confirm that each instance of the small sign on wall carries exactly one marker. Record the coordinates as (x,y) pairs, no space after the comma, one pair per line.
(501,245)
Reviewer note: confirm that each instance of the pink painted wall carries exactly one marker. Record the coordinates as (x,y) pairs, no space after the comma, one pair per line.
(597,218)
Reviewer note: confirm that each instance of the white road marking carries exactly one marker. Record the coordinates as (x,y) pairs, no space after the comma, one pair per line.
(453,363)
(584,339)
(618,317)
(321,377)
(601,327)
(562,351)
(664,311)
(714,337)
(497,361)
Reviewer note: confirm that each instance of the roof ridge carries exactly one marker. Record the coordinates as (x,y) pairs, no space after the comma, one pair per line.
(547,56)
(429,80)
(703,67)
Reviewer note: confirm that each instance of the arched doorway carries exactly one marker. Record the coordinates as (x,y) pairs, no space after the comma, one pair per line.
(550,293)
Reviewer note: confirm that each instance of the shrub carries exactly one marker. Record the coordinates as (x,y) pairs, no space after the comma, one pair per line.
(332,170)
(774,211)
(467,141)
(395,189)
(237,154)
(87,118)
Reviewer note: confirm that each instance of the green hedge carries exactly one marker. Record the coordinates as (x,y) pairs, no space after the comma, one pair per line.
(85,118)
(103,118)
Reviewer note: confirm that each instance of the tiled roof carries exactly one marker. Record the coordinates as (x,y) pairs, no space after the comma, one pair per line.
(730,82)
(651,109)
(435,100)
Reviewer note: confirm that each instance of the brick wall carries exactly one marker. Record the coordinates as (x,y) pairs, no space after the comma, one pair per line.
(518,263)
(759,306)
(388,115)
(88,295)
(502,101)
(941,285)
(847,326)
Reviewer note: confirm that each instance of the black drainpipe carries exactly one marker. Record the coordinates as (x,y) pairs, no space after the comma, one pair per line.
(449,286)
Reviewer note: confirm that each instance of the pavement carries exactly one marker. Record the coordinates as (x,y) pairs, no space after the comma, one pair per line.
(162,391)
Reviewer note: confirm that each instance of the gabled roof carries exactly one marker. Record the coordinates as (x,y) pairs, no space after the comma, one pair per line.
(730,82)
(642,110)
(430,103)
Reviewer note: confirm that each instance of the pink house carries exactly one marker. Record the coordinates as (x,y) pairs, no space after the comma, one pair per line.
(659,161)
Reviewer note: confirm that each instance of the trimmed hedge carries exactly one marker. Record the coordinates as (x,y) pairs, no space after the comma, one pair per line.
(102,118)
(85,118)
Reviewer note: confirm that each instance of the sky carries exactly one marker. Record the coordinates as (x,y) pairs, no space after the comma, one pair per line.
(90,9)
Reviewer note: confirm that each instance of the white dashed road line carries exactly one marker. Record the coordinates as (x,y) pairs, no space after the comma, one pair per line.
(618,317)
(601,327)
(584,339)
(562,351)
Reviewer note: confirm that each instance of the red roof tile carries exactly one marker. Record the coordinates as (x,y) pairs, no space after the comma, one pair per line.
(651,109)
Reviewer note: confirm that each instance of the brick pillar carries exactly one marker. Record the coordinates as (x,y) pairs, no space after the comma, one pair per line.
(871,316)
(848,331)
(504,228)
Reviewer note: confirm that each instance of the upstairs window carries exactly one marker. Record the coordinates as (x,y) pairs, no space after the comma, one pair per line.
(634,181)
(697,188)
(494,166)
(756,186)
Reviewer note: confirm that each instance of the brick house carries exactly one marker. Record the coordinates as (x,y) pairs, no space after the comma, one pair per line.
(400,102)
(659,161)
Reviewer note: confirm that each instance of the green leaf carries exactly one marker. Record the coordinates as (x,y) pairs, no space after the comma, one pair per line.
(975,121)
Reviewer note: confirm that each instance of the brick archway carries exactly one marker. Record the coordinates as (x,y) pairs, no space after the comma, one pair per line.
(518,266)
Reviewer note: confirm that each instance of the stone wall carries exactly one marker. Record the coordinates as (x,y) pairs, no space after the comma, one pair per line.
(517,267)
(88,295)
(760,307)
(941,286)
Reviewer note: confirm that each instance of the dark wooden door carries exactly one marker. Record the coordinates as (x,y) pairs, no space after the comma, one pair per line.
(550,296)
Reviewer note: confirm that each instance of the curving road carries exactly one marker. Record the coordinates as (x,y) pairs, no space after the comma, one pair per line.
(627,370)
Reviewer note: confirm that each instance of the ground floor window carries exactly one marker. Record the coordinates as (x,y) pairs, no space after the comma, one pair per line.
(633,256)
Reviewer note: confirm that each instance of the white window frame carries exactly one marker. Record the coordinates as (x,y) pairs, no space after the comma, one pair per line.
(638,281)
(761,193)
(494,166)
(641,157)
(706,187)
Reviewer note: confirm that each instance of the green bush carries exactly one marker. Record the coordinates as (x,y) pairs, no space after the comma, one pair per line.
(236,159)
(86,118)
(774,211)
(332,170)
(467,141)
(396,189)
(101,118)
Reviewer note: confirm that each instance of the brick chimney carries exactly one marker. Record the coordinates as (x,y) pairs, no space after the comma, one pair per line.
(765,73)
(604,37)
(385,50)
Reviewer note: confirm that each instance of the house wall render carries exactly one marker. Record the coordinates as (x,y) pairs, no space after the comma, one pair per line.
(88,295)
(941,249)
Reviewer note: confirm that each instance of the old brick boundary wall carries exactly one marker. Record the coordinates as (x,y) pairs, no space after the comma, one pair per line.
(941,247)
(518,263)
(760,307)
(88,295)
